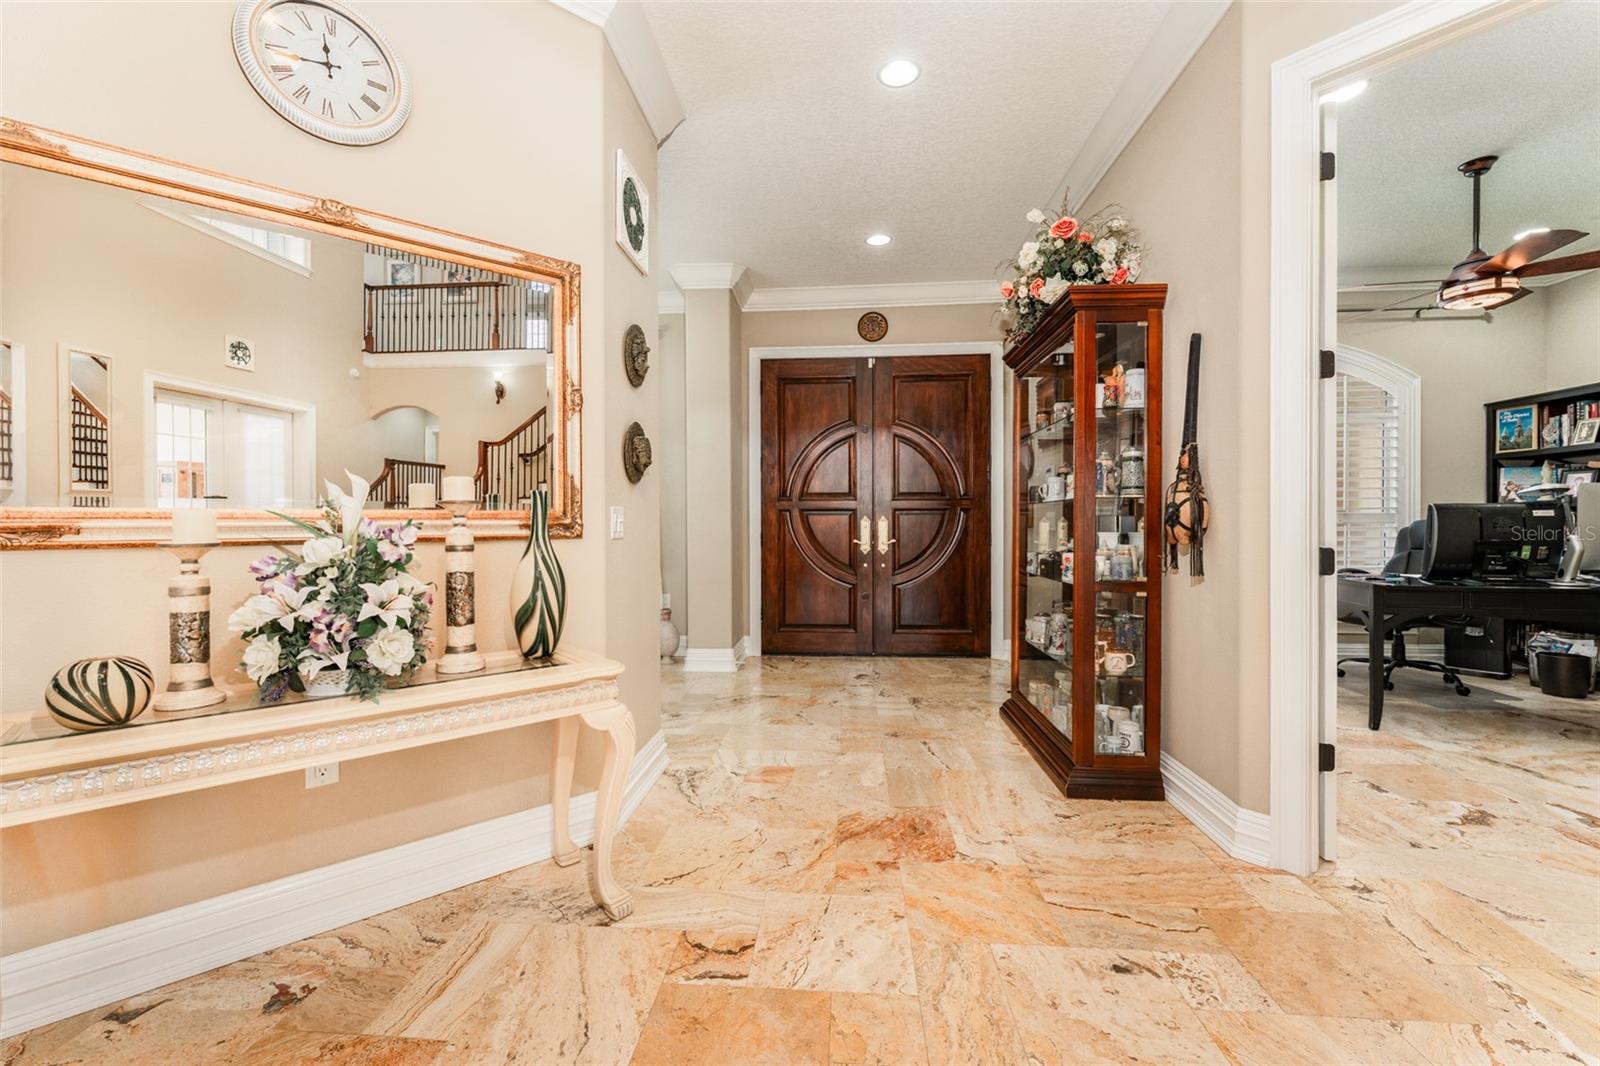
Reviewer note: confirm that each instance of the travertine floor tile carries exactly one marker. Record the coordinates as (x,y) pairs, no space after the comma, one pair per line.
(871,1030)
(756,1026)
(978,904)
(965,1017)
(835,943)
(307,1048)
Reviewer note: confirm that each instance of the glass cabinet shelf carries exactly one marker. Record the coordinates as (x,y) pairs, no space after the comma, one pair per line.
(1085,661)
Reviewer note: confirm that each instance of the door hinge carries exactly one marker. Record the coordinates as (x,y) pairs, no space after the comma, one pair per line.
(1325,364)
(1325,758)
(1325,565)
(1327,166)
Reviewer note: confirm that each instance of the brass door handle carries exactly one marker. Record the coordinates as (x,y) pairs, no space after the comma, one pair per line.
(865,540)
(884,540)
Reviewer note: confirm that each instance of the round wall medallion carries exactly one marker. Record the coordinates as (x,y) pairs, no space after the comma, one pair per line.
(873,326)
(636,457)
(635,355)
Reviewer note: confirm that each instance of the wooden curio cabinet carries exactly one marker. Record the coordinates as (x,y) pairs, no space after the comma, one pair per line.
(1086,541)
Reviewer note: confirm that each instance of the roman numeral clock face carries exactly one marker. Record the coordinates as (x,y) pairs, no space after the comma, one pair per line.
(322,68)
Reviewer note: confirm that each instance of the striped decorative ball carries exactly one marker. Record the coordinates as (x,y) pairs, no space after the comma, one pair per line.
(100,693)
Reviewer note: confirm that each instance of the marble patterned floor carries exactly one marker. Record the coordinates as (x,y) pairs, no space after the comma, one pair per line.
(853,861)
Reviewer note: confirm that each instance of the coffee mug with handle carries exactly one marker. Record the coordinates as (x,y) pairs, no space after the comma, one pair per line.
(1119,662)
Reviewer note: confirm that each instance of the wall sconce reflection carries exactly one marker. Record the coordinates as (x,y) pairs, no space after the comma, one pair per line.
(499,388)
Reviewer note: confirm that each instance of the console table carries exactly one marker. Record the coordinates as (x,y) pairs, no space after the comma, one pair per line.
(47,772)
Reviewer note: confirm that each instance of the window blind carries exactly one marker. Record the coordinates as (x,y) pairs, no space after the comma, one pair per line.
(1370,472)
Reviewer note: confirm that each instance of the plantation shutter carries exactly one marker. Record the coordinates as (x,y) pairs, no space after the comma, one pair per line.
(1371,472)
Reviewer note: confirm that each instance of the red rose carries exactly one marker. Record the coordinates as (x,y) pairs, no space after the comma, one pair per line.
(1007,290)
(1035,287)
(1085,237)
(1064,228)
(1120,276)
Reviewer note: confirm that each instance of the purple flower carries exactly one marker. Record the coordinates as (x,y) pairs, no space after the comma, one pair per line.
(340,628)
(390,552)
(264,567)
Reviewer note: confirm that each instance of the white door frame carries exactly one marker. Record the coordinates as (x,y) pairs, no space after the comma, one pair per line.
(998,648)
(1299,600)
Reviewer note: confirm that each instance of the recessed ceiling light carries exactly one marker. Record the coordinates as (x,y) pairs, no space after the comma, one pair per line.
(878,240)
(1530,232)
(1344,92)
(898,73)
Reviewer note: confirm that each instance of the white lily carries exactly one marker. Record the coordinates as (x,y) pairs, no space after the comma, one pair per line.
(385,602)
(312,664)
(349,504)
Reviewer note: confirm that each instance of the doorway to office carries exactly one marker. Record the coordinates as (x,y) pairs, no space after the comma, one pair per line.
(1362,478)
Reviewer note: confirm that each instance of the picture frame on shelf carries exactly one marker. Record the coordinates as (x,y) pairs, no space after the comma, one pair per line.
(1514,479)
(1573,478)
(403,272)
(1586,431)
(1516,428)
(465,294)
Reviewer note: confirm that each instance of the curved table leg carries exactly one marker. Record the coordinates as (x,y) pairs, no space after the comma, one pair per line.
(565,753)
(616,722)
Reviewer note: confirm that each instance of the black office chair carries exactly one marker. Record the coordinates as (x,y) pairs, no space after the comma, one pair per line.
(1407,559)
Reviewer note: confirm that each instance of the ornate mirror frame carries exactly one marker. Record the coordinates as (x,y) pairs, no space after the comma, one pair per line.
(70,527)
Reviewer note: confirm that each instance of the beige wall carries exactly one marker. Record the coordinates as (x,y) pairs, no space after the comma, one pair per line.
(463,400)
(67,66)
(1463,365)
(1196,179)
(1572,331)
(667,363)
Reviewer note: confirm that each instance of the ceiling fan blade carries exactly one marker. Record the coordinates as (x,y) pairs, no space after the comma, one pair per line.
(1525,251)
(1565,265)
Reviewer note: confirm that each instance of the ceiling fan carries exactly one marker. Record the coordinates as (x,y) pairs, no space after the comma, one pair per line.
(1482,282)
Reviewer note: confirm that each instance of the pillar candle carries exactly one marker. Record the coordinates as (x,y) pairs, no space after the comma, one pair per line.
(421,495)
(197,526)
(459,488)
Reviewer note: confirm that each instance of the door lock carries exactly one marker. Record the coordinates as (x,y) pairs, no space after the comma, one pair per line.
(884,540)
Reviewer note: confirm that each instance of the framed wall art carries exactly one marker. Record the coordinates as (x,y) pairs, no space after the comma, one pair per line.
(633,214)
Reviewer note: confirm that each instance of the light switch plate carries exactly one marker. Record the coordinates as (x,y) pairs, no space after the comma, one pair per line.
(326,774)
(616,523)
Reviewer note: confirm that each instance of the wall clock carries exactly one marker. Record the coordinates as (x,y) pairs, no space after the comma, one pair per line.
(633,214)
(323,68)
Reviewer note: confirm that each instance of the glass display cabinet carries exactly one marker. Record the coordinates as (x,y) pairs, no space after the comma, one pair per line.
(1086,542)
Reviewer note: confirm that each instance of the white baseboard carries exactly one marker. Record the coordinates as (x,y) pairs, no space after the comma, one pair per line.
(683,647)
(1001,650)
(1244,834)
(716,660)
(59,979)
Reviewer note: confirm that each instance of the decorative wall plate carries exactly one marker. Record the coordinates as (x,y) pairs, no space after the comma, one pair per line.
(635,355)
(633,214)
(636,457)
(873,326)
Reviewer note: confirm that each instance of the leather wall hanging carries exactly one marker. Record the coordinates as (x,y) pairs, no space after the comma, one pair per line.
(636,456)
(635,355)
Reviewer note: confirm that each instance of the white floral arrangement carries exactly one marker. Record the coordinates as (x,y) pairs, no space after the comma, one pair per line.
(1103,249)
(344,601)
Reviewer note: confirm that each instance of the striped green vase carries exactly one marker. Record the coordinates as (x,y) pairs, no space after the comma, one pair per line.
(538,588)
(99,693)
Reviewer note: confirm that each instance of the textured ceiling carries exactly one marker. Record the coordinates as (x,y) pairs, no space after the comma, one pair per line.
(1526,90)
(793,153)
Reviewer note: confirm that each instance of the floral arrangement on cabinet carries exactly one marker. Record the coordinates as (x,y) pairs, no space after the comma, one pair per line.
(1103,249)
(340,615)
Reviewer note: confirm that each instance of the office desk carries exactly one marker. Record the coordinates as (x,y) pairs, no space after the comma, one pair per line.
(1390,604)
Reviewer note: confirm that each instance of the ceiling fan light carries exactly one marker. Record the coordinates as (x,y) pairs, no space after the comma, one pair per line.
(1479,294)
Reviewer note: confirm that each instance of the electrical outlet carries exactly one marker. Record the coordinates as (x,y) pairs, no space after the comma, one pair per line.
(666,600)
(616,523)
(326,774)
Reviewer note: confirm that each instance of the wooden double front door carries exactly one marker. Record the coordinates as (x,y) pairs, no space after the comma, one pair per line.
(875,506)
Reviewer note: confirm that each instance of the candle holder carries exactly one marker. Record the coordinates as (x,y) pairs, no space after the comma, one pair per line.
(461,654)
(189,682)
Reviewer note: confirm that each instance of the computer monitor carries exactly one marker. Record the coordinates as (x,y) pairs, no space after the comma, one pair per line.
(1588,525)
(1492,540)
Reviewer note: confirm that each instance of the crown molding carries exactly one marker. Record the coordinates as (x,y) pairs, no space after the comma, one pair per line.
(1174,43)
(669,303)
(731,276)
(627,32)
(907,294)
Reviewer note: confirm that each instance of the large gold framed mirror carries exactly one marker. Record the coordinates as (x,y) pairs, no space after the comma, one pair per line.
(174,338)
